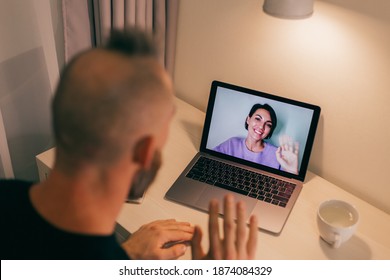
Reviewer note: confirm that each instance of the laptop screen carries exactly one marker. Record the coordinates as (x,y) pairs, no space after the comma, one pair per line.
(259,129)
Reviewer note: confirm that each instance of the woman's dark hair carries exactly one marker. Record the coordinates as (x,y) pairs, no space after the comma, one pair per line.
(271,112)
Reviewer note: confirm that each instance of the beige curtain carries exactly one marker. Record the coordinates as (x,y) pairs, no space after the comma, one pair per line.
(87,23)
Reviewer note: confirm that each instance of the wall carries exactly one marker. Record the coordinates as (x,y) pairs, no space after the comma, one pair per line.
(28,74)
(338,59)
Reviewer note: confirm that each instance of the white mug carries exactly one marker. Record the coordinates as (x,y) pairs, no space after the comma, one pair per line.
(337,221)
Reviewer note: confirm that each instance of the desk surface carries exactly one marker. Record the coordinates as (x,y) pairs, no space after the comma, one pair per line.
(299,238)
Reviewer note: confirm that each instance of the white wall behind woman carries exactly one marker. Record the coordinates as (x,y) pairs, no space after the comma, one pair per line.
(338,59)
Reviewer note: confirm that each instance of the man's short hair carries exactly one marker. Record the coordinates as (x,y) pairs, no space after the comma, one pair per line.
(85,113)
(131,42)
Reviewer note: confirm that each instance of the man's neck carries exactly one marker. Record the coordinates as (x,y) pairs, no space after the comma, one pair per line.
(81,204)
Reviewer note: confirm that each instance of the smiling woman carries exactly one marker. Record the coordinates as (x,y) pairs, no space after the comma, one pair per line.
(260,124)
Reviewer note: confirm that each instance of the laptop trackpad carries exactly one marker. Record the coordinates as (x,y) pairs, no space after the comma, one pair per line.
(218,193)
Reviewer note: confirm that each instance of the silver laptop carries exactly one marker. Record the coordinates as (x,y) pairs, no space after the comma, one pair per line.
(238,154)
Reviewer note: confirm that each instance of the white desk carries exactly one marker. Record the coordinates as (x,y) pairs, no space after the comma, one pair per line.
(299,238)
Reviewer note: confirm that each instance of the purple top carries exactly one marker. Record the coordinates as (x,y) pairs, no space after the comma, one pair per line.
(236,147)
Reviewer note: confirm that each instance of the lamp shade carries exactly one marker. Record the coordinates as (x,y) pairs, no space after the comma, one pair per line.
(289,9)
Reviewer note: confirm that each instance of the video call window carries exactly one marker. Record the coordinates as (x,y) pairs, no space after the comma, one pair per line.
(230,112)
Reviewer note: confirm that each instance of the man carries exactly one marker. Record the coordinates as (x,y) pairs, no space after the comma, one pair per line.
(111,115)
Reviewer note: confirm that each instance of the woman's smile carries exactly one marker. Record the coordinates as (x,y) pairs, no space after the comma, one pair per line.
(260,124)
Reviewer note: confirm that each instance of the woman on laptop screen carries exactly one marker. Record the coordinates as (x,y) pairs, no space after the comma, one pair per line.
(260,124)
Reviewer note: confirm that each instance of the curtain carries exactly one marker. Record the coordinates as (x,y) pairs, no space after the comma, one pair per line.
(88,23)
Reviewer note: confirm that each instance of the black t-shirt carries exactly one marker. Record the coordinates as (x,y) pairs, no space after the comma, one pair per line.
(24,234)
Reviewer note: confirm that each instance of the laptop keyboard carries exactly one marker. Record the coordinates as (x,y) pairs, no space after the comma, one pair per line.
(242,181)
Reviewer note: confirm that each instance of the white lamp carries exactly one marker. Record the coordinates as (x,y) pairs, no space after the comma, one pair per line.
(289,9)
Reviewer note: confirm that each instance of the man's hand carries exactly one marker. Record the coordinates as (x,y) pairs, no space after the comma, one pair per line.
(150,241)
(236,243)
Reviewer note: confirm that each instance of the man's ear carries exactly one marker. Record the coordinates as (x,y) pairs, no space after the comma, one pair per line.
(144,151)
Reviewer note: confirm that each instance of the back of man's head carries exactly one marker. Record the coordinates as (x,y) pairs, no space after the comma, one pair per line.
(106,98)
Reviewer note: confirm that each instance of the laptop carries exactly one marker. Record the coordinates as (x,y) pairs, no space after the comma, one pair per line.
(225,164)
